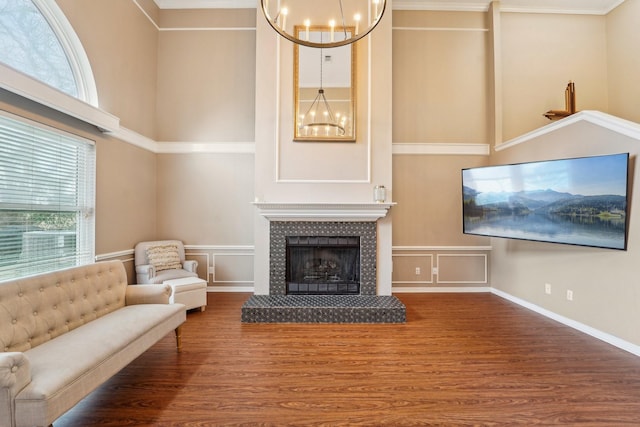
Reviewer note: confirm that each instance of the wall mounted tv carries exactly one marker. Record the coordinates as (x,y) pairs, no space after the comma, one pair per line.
(580,201)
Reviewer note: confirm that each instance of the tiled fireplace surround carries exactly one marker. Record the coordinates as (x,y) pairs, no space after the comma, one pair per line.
(277,307)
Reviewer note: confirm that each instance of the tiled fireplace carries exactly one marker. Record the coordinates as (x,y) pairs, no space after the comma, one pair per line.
(326,291)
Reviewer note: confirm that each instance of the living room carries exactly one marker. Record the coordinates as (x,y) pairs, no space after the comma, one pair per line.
(197,108)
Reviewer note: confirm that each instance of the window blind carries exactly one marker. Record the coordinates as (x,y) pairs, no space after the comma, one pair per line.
(47,198)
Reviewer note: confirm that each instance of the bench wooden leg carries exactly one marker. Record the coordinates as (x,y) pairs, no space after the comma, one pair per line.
(202,308)
(179,338)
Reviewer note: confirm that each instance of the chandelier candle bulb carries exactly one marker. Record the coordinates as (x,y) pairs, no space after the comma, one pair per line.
(357,19)
(307,24)
(332,24)
(284,14)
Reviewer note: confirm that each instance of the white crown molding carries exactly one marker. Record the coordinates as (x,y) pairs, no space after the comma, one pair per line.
(131,137)
(576,7)
(441,149)
(454,6)
(205,147)
(134,138)
(607,121)
(206,4)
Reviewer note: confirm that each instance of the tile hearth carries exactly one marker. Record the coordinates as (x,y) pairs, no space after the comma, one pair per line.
(323,309)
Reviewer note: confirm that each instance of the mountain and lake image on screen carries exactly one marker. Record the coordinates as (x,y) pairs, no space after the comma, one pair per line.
(579,201)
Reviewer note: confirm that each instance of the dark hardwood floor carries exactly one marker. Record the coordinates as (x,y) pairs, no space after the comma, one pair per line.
(460,360)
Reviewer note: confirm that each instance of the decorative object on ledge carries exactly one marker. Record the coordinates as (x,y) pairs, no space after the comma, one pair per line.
(331,13)
(570,104)
(379,194)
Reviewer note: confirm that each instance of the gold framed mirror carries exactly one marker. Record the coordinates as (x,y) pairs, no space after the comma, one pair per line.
(324,86)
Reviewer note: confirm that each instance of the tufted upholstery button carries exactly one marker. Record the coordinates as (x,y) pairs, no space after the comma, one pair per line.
(14,321)
(20,294)
(35,313)
(14,369)
(41,289)
(67,322)
(6,349)
(55,307)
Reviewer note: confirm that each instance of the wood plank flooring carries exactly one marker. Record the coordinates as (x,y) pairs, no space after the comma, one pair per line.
(460,360)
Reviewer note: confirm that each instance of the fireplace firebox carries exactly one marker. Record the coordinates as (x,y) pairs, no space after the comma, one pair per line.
(323,265)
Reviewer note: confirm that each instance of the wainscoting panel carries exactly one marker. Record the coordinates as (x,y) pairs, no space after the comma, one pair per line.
(229,267)
(462,268)
(412,269)
(441,268)
(226,268)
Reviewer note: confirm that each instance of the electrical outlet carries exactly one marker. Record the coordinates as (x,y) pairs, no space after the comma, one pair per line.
(434,270)
(547,288)
(569,295)
(418,271)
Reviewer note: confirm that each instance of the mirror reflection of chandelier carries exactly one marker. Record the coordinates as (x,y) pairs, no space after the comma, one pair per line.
(319,119)
(363,15)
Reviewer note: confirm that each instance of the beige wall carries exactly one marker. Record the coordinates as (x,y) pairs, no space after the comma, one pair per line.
(604,282)
(205,199)
(122,46)
(623,43)
(206,76)
(540,54)
(440,77)
(429,195)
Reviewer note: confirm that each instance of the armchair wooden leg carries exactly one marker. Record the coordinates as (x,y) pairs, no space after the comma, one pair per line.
(179,338)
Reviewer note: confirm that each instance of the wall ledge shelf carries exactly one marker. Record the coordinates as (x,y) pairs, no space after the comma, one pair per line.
(616,124)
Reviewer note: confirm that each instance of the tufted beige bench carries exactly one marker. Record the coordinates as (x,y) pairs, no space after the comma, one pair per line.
(63,334)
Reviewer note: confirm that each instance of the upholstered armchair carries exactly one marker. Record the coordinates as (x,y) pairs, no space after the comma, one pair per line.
(162,260)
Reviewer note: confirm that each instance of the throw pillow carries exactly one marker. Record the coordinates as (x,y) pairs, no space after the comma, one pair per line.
(164,257)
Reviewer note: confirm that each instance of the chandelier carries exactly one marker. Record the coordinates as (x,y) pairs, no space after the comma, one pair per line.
(363,15)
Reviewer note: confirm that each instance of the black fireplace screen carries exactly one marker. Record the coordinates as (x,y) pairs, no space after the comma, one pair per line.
(323,265)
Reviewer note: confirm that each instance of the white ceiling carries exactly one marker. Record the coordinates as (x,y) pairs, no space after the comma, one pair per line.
(592,7)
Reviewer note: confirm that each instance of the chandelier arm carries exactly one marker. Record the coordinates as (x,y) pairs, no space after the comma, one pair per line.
(344,27)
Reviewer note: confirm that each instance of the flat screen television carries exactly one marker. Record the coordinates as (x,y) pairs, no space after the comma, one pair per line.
(579,201)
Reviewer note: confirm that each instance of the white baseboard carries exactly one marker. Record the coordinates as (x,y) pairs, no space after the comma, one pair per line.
(237,289)
(439,289)
(603,336)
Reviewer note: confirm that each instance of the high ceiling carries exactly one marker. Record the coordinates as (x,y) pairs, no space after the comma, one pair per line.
(594,7)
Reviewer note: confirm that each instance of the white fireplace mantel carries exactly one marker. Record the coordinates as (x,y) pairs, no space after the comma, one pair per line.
(288,211)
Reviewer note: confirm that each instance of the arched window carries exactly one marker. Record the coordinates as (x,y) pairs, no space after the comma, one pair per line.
(36,39)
